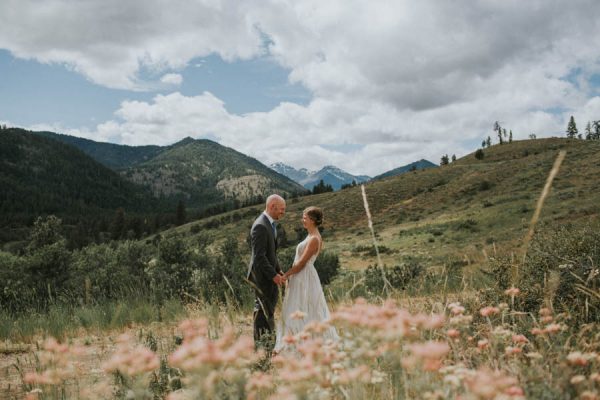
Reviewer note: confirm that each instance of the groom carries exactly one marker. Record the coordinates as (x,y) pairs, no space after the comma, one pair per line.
(264,271)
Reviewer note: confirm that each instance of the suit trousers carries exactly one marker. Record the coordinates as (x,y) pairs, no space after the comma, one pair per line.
(264,319)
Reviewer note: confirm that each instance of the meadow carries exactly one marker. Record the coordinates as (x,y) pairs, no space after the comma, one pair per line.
(445,298)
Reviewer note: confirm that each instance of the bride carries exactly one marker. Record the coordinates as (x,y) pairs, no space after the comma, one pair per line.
(304,292)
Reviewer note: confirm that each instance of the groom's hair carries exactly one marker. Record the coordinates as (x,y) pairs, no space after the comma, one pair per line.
(315,214)
(274,197)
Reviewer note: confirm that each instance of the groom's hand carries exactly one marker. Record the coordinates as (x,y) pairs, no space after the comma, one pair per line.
(278,279)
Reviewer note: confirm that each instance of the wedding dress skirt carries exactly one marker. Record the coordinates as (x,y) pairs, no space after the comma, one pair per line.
(303,293)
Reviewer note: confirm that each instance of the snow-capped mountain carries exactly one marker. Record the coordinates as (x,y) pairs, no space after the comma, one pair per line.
(330,175)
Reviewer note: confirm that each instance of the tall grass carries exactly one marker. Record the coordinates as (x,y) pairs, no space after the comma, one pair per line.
(61,321)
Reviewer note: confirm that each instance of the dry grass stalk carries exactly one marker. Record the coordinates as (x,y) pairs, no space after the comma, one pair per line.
(538,208)
(386,284)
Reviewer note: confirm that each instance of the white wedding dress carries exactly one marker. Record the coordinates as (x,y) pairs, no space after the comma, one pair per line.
(303,293)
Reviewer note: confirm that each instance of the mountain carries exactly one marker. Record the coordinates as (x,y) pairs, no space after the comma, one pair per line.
(114,156)
(330,175)
(421,164)
(39,175)
(206,174)
(201,172)
(456,215)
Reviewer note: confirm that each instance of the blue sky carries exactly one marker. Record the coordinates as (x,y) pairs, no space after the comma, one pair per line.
(36,93)
(364,86)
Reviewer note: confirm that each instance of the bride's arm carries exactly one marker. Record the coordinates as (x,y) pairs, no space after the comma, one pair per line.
(312,247)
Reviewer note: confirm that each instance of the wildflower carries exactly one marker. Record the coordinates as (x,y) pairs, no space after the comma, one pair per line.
(553,328)
(461,320)
(289,339)
(511,351)
(453,333)
(132,361)
(514,391)
(513,291)
(501,332)
(486,384)
(430,349)
(487,311)
(547,319)
(580,359)
(588,395)
(483,344)
(577,379)
(519,339)
(456,308)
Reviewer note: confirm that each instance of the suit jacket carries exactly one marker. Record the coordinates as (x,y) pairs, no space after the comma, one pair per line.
(263,262)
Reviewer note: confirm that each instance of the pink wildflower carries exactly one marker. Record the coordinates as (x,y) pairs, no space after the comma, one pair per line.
(513,291)
(487,311)
(519,339)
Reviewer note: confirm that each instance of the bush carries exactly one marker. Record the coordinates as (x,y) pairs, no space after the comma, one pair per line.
(479,154)
(399,276)
(327,266)
(222,278)
(466,225)
(560,270)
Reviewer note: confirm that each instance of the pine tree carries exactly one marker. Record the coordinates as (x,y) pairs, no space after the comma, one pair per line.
(444,160)
(510,137)
(498,130)
(488,141)
(453,157)
(571,128)
(588,131)
(483,144)
(596,134)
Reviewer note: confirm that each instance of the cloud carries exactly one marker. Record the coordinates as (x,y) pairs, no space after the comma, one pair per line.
(395,80)
(172,79)
(111,41)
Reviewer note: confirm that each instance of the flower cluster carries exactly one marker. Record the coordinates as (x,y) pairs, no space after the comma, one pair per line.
(131,360)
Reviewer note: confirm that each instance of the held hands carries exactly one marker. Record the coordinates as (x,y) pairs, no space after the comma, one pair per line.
(279,279)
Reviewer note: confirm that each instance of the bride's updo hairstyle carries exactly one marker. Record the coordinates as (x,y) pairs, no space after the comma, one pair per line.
(315,214)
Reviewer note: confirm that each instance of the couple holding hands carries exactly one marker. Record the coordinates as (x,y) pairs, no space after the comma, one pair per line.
(304,292)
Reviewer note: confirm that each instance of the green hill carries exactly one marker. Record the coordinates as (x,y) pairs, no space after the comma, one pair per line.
(114,156)
(457,213)
(206,174)
(41,176)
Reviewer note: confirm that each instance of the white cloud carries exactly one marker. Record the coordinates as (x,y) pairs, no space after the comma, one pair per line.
(405,79)
(172,79)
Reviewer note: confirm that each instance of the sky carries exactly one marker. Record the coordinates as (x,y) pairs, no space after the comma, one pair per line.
(364,85)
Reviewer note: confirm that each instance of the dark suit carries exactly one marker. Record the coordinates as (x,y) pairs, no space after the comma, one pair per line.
(263,267)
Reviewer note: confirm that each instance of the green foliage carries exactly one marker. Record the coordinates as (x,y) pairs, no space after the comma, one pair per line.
(571,128)
(327,266)
(223,278)
(479,154)
(170,273)
(322,187)
(560,270)
(399,277)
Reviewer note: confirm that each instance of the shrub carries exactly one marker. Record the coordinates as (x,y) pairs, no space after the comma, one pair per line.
(399,276)
(466,225)
(327,266)
(560,270)
(479,154)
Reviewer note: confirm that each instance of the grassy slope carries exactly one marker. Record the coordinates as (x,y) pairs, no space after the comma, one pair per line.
(425,213)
